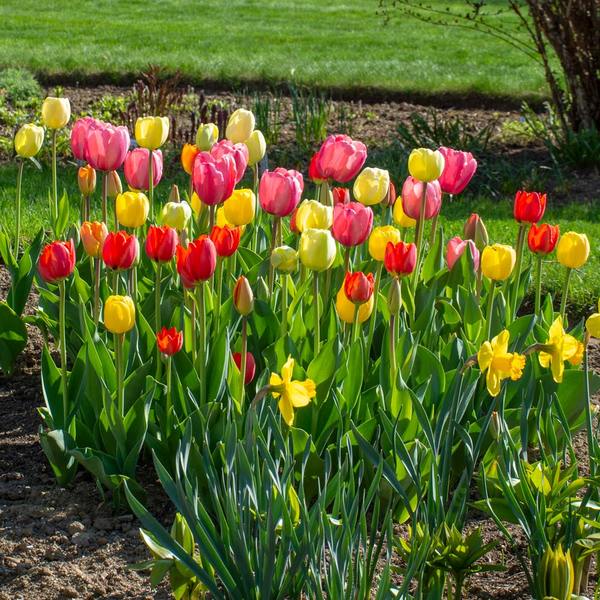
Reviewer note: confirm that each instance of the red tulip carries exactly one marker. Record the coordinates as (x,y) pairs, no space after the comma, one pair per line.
(79,135)
(542,239)
(340,195)
(226,239)
(169,341)
(412,191)
(120,250)
(400,259)
(106,146)
(161,243)
(57,261)
(352,223)
(529,207)
(359,287)
(250,365)
(455,249)
(474,229)
(280,191)
(214,178)
(197,262)
(136,168)
(313,172)
(459,168)
(239,153)
(340,158)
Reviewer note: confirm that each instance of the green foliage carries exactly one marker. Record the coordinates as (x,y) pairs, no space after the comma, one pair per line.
(19,86)
(310,113)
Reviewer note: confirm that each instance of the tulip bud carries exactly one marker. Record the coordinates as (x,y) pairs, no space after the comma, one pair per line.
(56,112)
(379,238)
(151,132)
(475,230)
(326,195)
(86,179)
(317,249)
(176,214)
(592,324)
(359,287)
(188,154)
(557,573)
(498,261)
(250,365)
(284,259)
(262,289)
(132,209)
(345,309)
(29,140)
(240,126)
(573,250)
(257,147)
(113,187)
(313,215)
(371,186)
(243,298)
(495,425)
(174,194)
(206,136)
(240,207)
(400,217)
(425,165)
(394,298)
(92,236)
(169,341)
(119,314)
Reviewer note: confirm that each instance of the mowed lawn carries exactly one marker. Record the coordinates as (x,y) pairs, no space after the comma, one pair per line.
(336,44)
(497,214)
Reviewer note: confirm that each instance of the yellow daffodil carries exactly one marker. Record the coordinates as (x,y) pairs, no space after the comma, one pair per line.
(291,394)
(499,363)
(559,348)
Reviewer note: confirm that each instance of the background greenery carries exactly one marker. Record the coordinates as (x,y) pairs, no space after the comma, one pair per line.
(335,44)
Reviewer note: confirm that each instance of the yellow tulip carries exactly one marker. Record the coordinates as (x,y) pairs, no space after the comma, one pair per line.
(206,136)
(593,323)
(345,308)
(119,314)
(284,259)
(29,140)
(573,249)
(56,112)
(317,249)
(240,207)
(151,132)
(291,393)
(559,348)
(379,238)
(196,204)
(425,164)
(132,209)
(176,215)
(498,261)
(371,186)
(311,214)
(499,363)
(400,217)
(257,147)
(240,126)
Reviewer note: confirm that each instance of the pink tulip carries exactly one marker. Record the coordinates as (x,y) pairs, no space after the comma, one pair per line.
(280,191)
(106,146)
(239,152)
(136,168)
(458,170)
(340,158)
(79,135)
(352,223)
(412,190)
(214,178)
(455,249)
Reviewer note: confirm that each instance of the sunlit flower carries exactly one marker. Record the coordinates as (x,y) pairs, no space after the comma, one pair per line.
(559,348)
(291,393)
(499,363)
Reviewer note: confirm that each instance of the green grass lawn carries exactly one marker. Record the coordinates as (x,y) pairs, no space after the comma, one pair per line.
(497,215)
(341,44)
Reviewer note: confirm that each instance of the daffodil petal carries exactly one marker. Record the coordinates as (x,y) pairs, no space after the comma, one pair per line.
(287,410)
(301,392)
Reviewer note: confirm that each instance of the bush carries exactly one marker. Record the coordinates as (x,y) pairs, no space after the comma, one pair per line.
(19,85)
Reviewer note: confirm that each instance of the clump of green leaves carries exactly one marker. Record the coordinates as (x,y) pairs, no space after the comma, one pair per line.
(19,86)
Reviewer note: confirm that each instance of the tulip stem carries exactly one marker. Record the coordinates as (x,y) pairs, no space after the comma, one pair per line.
(63,348)
(433,233)
(116,283)
(355,323)
(284,304)
(243,359)
(119,362)
(219,282)
(347,259)
(18,220)
(54,177)
(157,314)
(105,197)
(193,320)
(274,235)
(316,309)
(201,358)
(419,234)
(393,336)
(150,185)
(592,441)
(538,286)
(565,293)
(211,217)
(97,266)
(520,249)
(490,309)
(168,407)
(374,315)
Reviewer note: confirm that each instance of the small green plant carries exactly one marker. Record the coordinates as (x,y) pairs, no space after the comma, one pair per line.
(19,86)
(267,109)
(310,112)
(111,108)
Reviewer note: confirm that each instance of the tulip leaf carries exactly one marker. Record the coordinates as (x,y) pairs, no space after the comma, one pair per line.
(13,337)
